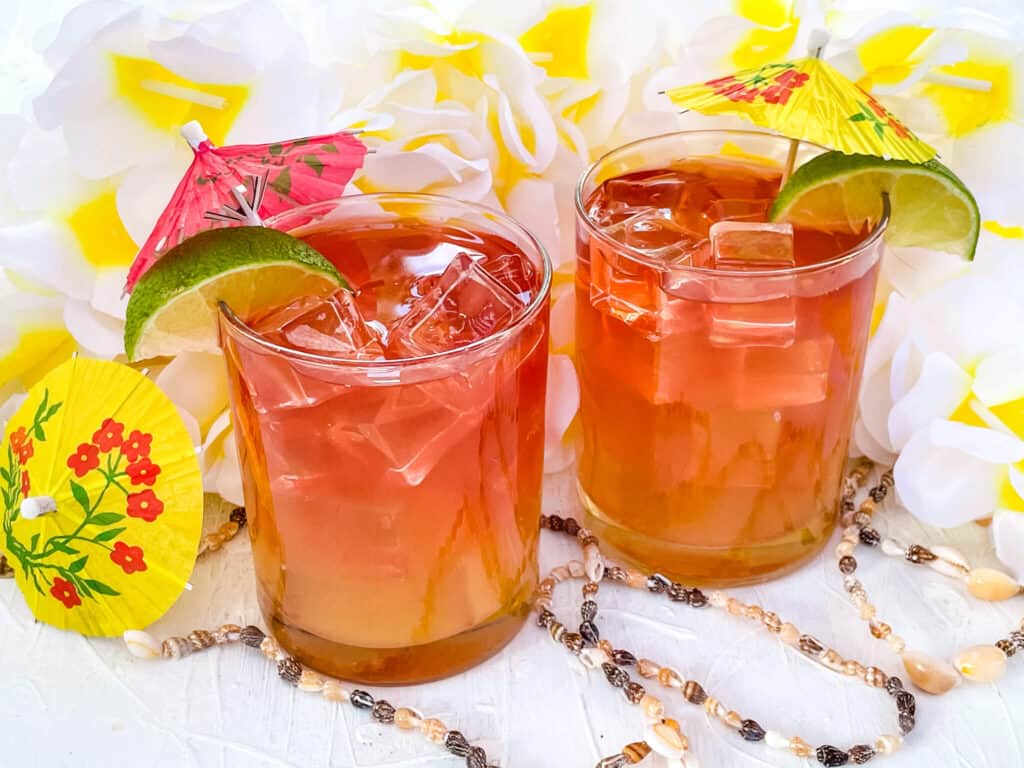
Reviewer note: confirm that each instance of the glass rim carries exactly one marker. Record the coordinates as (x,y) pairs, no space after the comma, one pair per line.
(638,255)
(532,309)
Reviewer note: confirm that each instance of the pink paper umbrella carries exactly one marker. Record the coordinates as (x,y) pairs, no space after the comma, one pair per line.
(263,179)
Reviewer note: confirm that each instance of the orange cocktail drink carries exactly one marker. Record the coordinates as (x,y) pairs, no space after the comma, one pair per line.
(391,438)
(719,357)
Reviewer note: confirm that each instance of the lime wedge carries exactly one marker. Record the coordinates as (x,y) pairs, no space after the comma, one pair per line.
(173,308)
(931,207)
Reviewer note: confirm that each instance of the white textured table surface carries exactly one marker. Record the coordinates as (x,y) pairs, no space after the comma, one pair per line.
(66,700)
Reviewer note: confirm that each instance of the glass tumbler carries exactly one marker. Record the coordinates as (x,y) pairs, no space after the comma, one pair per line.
(393,503)
(717,393)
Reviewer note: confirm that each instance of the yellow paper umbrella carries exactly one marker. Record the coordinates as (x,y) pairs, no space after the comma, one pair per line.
(102,499)
(810,100)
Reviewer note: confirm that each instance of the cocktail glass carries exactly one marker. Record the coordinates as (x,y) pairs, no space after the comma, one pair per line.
(719,357)
(391,440)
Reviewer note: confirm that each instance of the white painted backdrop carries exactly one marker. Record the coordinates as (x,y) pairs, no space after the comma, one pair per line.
(70,701)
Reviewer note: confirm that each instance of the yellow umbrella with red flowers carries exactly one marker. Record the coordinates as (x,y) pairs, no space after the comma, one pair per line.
(807,99)
(102,499)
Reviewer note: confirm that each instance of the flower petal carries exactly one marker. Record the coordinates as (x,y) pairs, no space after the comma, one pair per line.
(967,318)
(563,318)
(46,253)
(945,486)
(534,203)
(891,330)
(980,442)
(99,334)
(875,403)
(563,400)
(196,381)
(1000,378)
(1008,535)
(904,369)
(863,444)
(939,390)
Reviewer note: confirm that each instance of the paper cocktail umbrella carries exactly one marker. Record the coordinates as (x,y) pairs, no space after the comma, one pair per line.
(263,179)
(102,499)
(810,100)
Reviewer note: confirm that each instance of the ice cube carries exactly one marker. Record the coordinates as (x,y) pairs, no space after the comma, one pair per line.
(515,272)
(653,231)
(466,304)
(783,378)
(323,325)
(741,448)
(624,197)
(752,245)
(738,209)
(661,190)
(625,289)
(418,425)
(768,323)
(763,317)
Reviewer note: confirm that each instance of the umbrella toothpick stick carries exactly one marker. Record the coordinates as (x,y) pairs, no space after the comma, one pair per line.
(816,45)
(35,506)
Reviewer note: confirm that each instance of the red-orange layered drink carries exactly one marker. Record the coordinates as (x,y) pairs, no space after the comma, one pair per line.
(392,439)
(719,358)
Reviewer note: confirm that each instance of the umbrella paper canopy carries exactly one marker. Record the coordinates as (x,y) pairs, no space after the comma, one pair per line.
(810,100)
(263,179)
(102,499)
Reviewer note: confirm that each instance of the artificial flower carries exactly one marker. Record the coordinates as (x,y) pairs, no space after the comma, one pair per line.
(943,395)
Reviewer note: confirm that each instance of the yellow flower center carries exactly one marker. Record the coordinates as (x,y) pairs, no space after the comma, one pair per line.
(888,57)
(774,37)
(35,354)
(558,43)
(966,110)
(1011,416)
(466,60)
(102,237)
(168,101)
(1008,231)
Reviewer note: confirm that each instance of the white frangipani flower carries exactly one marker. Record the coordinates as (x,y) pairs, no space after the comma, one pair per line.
(943,397)
(88,187)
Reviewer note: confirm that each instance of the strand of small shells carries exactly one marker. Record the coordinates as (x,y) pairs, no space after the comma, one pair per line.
(214,540)
(662,735)
(145,646)
(979,663)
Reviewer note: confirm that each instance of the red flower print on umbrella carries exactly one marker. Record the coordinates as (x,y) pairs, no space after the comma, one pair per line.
(128,557)
(723,84)
(109,435)
(26,483)
(263,178)
(136,445)
(805,99)
(22,445)
(898,128)
(142,472)
(65,592)
(791,78)
(85,458)
(144,505)
(777,94)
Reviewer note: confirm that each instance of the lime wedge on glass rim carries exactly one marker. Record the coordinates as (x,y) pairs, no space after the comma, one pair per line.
(173,308)
(931,206)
